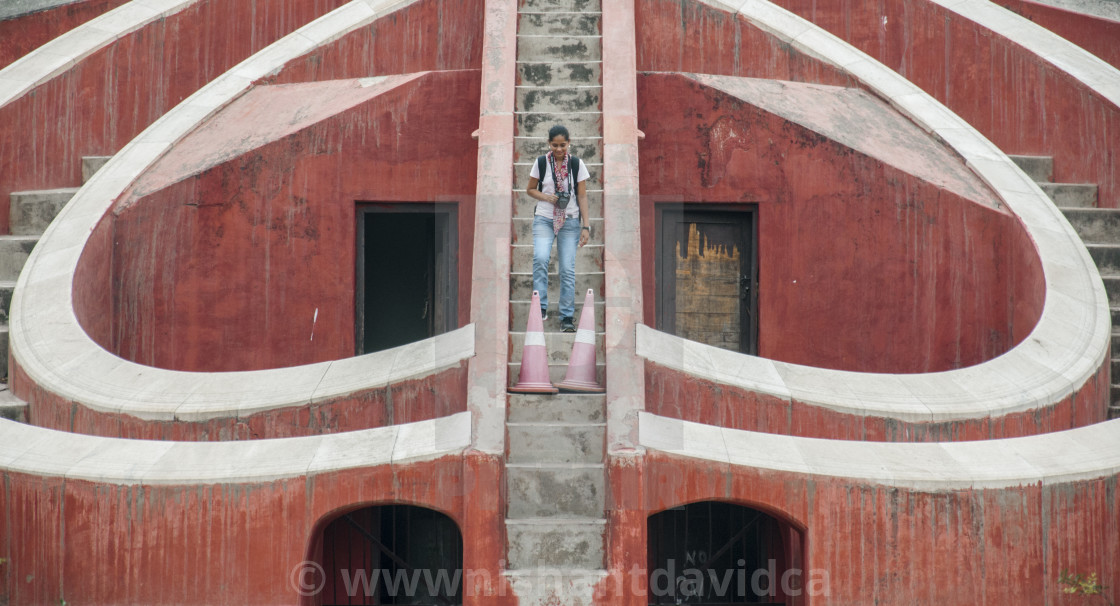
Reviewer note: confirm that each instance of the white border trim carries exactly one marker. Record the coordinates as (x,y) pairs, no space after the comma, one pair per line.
(1065,349)
(50,345)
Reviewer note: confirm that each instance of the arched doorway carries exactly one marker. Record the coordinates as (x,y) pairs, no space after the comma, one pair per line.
(391,554)
(721,554)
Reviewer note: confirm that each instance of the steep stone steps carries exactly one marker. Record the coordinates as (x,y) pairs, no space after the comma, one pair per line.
(519,314)
(11,407)
(523,230)
(558,370)
(580,124)
(563,408)
(30,213)
(537,543)
(1099,229)
(558,23)
(592,261)
(527,149)
(570,73)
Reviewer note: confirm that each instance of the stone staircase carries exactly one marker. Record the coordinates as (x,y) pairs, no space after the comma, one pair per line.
(30,213)
(1099,229)
(555,480)
(555,522)
(559,82)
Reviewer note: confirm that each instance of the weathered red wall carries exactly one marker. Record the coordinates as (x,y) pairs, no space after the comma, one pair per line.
(87,542)
(427,35)
(671,393)
(105,100)
(227,270)
(889,545)
(861,266)
(25,33)
(440,394)
(1094,34)
(1020,102)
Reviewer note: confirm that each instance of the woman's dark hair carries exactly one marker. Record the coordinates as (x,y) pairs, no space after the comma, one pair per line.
(558,130)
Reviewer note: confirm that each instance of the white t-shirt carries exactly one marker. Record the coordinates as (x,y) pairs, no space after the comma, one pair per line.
(545,209)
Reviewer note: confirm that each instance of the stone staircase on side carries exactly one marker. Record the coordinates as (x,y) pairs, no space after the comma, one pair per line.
(555,472)
(1099,229)
(30,212)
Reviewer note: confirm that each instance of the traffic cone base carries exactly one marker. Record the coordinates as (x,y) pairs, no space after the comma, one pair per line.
(533,377)
(581,365)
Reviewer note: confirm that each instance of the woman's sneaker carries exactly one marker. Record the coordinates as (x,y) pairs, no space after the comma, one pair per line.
(567,325)
(544,314)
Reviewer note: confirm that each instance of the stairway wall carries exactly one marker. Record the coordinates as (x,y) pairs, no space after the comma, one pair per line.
(1096,34)
(923,280)
(1022,103)
(23,32)
(107,98)
(252,250)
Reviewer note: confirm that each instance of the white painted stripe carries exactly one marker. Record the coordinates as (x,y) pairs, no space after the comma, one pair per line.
(534,338)
(585,336)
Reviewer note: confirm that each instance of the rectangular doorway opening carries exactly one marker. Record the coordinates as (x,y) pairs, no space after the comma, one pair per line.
(707,274)
(407,270)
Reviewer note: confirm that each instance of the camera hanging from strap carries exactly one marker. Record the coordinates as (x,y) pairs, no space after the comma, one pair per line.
(563,198)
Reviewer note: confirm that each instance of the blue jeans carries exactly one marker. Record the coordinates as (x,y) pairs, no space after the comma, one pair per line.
(567,241)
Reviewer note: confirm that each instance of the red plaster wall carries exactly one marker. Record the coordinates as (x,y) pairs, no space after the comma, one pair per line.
(105,100)
(25,33)
(686,36)
(886,545)
(91,543)
(1023,104)
(427,35)
(440,394)
(861,266)
(225,271)
(671,393)
(1097,35)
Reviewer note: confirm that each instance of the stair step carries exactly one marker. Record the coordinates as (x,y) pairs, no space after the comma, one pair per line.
(550,587)
(519,312)
(32,211)
(14,251)
(552,543)
(1038,168)
(1071,195)
(523,230)
(4,352)
(1095,225)
(556,442)
(548,73)
(526,207)
(1115,363)
(1114,395)
(561,49)
(568,490)
(557,372)
(559,99)
(7,288)
(1115,340)
(92,164)
(555,23)
(579,124)
(521,286)
(1112,288)
(1114,315)
(11,407)
(594,184)
(588,259)
(528,149)
(559,408)
(563,6)
(1106,257)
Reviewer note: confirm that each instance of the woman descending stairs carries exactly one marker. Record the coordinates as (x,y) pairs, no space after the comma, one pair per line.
(555,520)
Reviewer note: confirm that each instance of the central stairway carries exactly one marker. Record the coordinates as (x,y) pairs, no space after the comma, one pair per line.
(555,472)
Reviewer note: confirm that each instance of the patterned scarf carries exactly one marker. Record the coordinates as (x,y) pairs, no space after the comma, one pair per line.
(560,175)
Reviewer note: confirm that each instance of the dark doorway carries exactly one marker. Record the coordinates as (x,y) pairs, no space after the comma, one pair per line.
(707,275)
(392,554)
(716,554)
(406,275)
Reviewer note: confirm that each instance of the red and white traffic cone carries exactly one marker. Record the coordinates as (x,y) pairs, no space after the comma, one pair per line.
(534,355)
(581,364)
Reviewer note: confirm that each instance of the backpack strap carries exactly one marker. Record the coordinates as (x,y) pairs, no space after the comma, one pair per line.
(573,171)
(541,160)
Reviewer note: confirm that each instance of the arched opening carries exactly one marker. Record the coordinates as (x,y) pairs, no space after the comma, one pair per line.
(721,554)
(390,554)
